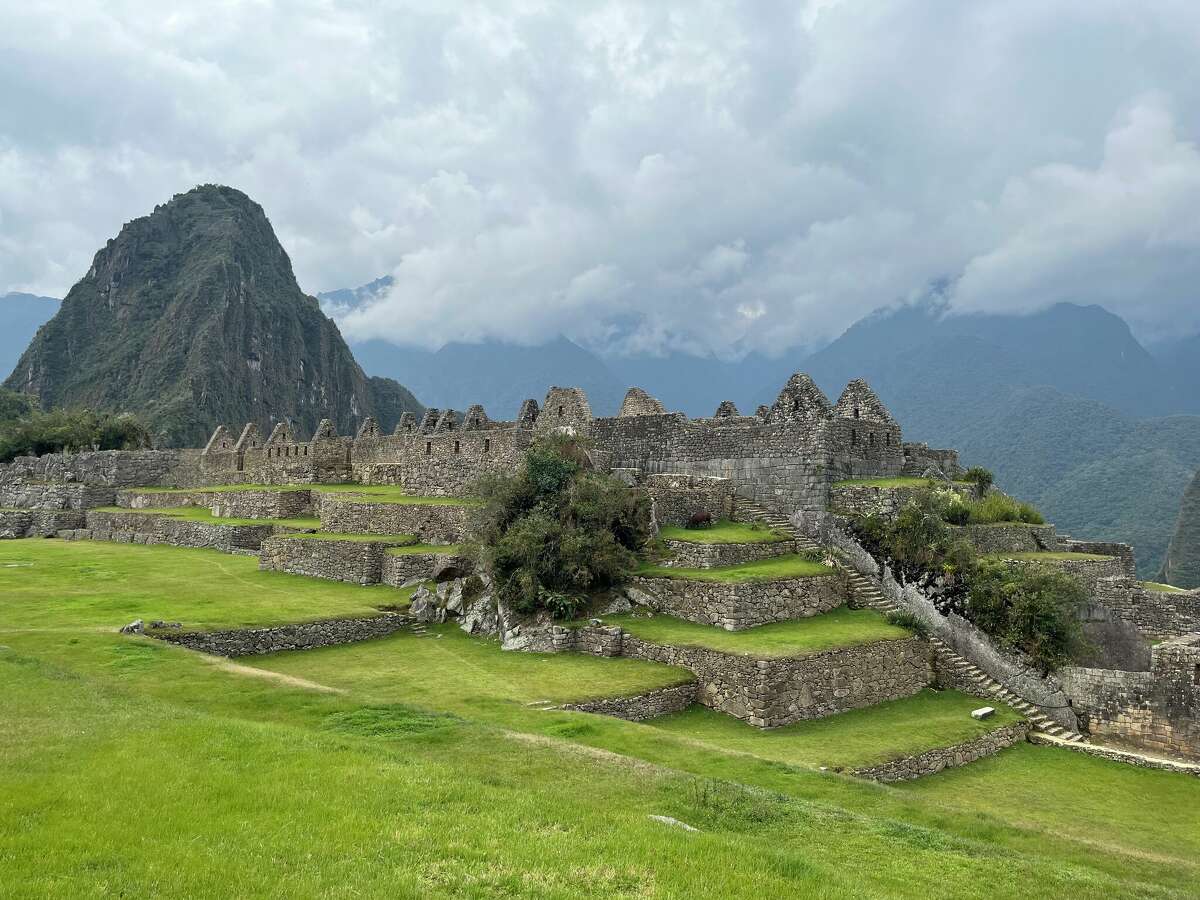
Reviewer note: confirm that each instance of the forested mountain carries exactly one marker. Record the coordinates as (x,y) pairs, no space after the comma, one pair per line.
(191,317)
(21,315)
(1182,565)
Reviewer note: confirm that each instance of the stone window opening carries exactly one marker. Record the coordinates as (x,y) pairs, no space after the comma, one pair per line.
(871,439)
(1196,674)
(456,447)
(560,412)
(428,448)
(853,437)
(856,412)
(487,444)
(887,439)
(306,449)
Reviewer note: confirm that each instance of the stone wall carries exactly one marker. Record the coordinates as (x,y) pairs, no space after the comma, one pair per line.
(775,691)
(676,497)
(358,562)
(24,494)
(1010,537)
(737,606)
(1122,552)
(920,458)
(1090,572)
(107,468)
(1158,614)
(933,761)
(24,523)
(302,636)
(430,523)
(142,528)
(401,568)
(1158,710)
(693,555)
(649,705)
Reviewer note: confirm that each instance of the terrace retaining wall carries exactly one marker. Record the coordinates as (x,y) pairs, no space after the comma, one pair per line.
(358,562)
(693,555)
(24,523)
(774,691)
(401,568)
(744,605)
(935,760)
(430,523)
(649,705)
(53,495)
(1009,537)
(674,498)
(302,636)
(142,528)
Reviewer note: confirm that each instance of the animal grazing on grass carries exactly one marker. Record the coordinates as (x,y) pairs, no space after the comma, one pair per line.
(700,519)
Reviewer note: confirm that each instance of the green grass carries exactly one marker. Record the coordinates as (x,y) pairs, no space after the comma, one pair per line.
(901,482)
(842,627)
(1162,588)
(399,539)
(374,493)
(723,532)
(130,766)
(1047,555)
(860,737)
(774,569)
(201,514)
(98,585)
(413,549)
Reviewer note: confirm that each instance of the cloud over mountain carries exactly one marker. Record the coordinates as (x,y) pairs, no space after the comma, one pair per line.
(680,174)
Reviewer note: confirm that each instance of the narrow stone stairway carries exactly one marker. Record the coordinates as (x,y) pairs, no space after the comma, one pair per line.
(866,593)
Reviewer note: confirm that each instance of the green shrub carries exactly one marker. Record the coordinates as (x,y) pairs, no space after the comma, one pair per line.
(907,620)
(1031,609)
(14,405)
(38,433)
(996,508)
(556,530)
(979,476)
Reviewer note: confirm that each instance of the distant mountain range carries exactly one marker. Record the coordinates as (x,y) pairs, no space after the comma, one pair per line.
(191,318)
(1065,405)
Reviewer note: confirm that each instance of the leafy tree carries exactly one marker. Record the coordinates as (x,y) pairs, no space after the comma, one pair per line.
(37,433)
(979,476)
(556,530)
(14,405)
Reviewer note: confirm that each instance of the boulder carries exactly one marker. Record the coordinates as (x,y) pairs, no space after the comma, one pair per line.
(137,626)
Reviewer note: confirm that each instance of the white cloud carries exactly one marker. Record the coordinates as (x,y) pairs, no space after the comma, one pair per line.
(729,175)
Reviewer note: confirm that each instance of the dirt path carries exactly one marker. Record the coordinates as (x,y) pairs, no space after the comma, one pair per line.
(227,665)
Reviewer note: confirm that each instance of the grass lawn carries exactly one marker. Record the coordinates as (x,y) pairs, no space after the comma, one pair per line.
(776,568)
(1162,588)
(95,585)
(398,539)
(1047,555)
(130,766)
(902,482)
(414,549)
(841,627)
(375,493)
(860,737)
(202,514)
(723,532)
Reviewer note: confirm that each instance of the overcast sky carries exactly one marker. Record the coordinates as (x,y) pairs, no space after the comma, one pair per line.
(737,176)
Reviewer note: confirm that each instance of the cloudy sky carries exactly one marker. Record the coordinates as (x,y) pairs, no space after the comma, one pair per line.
(655,174)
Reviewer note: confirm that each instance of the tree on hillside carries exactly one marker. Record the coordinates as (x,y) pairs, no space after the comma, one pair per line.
(556,530)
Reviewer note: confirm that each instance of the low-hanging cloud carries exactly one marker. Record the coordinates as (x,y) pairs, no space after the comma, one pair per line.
(733,176)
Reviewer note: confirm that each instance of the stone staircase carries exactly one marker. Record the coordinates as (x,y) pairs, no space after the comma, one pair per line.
(867,594)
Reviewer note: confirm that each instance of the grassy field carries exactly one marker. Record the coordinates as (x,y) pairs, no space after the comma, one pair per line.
(900,482)
(913,724)
(839,628)
(424,766)
(1162,588)
(1048,555)
(413,549)
(777,567)
(377,493)
(723,532)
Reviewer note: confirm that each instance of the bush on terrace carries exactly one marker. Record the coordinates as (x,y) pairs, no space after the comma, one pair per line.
(39,432)
(556,530)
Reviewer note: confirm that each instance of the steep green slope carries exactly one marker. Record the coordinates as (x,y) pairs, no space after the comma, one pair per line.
(191,317)
(1182,565)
